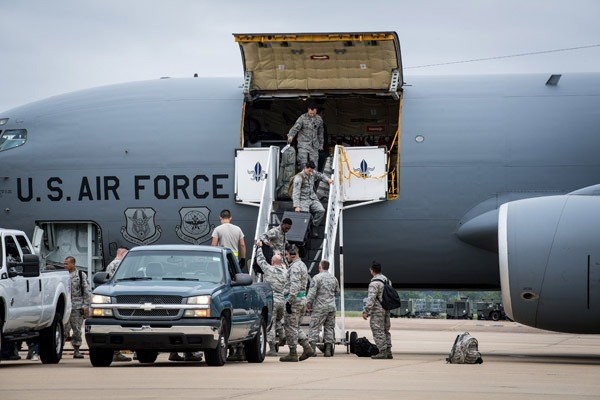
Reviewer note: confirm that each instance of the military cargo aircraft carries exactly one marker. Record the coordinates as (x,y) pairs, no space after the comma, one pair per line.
(490,179)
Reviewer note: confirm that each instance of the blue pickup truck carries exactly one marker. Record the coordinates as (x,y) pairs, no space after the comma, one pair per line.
(182,298)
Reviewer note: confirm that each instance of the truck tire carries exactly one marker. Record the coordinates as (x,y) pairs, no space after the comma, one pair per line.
(256,348)
(217,357)
(146,356)
(52,341)
(495,315)
(101,357)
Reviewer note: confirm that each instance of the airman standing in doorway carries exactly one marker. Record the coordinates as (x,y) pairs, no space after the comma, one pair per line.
(309,128)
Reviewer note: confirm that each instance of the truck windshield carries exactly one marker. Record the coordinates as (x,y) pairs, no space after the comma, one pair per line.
(171,265)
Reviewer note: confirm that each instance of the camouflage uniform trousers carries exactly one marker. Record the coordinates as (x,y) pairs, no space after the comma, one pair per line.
(75,323)
(380,327)
(276,321)
(316,210)
(303,155)
(322,318)
(293,333)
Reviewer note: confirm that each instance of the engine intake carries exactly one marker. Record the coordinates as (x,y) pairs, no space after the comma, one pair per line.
(549,254)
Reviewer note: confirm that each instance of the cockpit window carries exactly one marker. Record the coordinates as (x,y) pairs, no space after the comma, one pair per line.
(12,138)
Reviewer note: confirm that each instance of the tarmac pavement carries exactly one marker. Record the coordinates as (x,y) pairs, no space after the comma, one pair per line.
(519,363)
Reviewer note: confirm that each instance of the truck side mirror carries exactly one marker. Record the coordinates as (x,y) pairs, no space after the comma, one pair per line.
(31,265)
(242,280)
(28,268)
(100,278)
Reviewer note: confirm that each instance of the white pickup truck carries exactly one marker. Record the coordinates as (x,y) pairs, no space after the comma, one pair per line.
(33,304)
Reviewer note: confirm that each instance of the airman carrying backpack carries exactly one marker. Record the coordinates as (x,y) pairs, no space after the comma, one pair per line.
(389,298)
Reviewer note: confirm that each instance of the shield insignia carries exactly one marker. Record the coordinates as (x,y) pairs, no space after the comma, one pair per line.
(194,227)
(140,227)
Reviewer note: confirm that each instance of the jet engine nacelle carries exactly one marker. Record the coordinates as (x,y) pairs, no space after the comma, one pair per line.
(549,253)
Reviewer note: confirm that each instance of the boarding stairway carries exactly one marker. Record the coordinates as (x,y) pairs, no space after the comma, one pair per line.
(359,178)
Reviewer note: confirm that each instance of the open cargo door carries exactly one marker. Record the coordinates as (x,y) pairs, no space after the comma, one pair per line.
(276,64)
(355,80)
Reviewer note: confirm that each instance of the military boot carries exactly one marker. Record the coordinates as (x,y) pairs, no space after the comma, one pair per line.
(174,356)
(192,356)
(328,350)
(314,348)
(291,357)
(382,355)
(272,350)
(238,354)
(281,338)
(76,353)
(308,350)
(389,354)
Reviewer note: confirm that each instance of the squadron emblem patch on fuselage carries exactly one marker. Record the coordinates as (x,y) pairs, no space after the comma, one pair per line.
(364,170)
(257,174)
(194,227)
(140,227)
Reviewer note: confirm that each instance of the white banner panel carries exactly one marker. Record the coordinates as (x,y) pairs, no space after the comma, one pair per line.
(364,173)
(250,173)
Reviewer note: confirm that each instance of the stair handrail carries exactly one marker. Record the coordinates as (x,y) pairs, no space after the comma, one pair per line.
(266,203)
(334,205)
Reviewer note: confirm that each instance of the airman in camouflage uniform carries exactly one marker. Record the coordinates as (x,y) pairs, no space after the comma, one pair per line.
(295,306)
(114,264)
(110,270)
(275,237)
(276,275)
(321,300)
(380,318)
(304,196)
(80,299)
(309,128)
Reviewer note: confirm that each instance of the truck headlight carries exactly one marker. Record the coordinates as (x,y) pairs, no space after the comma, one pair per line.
(203,311)
(99,299)
(204,300)
(101,312)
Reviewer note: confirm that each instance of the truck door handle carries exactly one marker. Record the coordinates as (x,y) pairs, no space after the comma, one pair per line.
(27,285)
(40,282)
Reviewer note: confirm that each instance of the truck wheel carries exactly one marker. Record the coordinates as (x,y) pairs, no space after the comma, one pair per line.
(495,315)
(52,341)
(217,357)
(101,357)
(257,347)
(146,356)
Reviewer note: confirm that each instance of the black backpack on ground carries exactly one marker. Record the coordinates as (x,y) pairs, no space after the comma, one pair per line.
(364,348)
(389,298)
